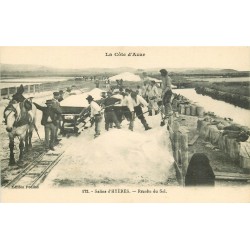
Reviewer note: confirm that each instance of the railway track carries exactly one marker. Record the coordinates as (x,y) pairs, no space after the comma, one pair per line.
(36,171)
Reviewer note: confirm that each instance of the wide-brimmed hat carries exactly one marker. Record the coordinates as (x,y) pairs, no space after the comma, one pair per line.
(128,90)
(49,102)
(90,98)
(133,94)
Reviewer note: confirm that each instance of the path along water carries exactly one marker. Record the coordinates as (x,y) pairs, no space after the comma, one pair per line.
(15,82)
(220,108)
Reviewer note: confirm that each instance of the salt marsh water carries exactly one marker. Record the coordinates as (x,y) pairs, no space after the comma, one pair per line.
(220,108)
(13,82)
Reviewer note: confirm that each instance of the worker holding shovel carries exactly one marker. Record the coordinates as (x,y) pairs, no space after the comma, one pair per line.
(138,102)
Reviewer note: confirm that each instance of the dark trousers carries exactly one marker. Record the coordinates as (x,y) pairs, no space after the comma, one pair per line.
(124,111)
(58,125)
(49,129)
(119,113)
(167,103)
(110,117)
(139,114)
(98,119)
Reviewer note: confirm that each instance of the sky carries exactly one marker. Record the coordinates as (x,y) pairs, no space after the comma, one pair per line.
(237,57)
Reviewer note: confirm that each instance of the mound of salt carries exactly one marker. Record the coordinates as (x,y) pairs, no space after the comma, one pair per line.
(80,100)
(126,76)
(120,155)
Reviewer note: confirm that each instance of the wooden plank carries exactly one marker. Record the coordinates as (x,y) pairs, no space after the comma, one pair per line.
(245,149)
(193,140)
(184,152)
(248,149)
(231,176)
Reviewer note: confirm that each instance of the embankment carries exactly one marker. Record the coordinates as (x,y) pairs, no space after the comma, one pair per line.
(226,143)
(237,94)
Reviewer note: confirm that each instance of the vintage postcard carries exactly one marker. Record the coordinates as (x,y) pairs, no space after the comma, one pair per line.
(125,124)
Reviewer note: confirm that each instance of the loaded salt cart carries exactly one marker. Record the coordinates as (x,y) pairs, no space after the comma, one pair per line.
(76,111)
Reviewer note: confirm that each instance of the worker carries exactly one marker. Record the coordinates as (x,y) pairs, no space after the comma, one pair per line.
(121,83)
(146,86)
(109,112)
(139,90)
(97,83)
(49,122)
(60,96)
(166,96)
(95,114)
(127,109)
(153,97)
(56,105)
(108,86)
(138,102)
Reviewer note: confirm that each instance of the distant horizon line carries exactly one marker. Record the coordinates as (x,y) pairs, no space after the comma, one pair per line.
(106,67)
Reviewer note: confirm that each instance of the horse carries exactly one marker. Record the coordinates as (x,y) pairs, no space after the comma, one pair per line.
(20,119)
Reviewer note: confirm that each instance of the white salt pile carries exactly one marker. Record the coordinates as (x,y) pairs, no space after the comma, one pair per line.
(80,100)
(117,157)
(126,76)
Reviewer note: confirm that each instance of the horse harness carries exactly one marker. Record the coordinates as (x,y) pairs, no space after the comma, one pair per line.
(23,116)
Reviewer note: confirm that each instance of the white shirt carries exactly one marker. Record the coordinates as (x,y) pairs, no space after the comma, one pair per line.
(139,91)
(153,92)
(95,108)
(139,100)
(127,101)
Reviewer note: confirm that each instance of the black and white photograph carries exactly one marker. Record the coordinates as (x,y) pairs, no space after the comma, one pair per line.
(125,120)
(82,165)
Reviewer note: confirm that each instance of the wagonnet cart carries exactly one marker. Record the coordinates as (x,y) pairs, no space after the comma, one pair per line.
(73,118)
(76,111)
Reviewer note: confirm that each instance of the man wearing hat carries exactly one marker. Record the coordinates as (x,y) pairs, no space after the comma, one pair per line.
(49,122)
(166,95)
(153,96)
(56,105)
(96,114)
(60,98)
(56,96)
